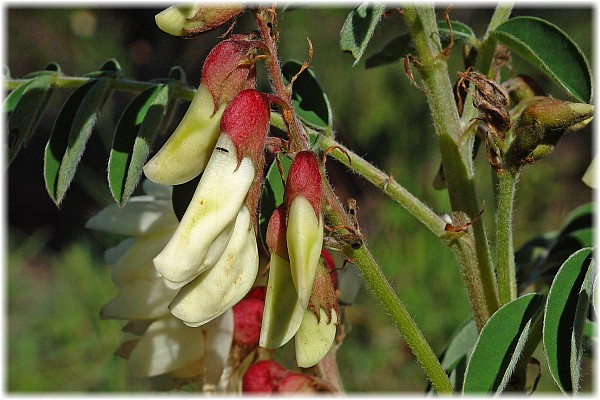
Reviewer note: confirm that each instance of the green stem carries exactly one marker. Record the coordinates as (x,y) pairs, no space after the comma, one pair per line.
(126,85)
(386,183)
(456,153)
(507,286)
(383,291)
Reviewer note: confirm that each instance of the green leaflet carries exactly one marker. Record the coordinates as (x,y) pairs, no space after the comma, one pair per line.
(548,48)
(25,106)
(394,50)
(462,33)
(565,317)
(500,344)
(310,101)
(359,27)
(135,132)
(69,136)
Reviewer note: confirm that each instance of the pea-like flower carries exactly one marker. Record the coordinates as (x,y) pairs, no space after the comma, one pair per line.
(215,240)
(227,70)
(162,344)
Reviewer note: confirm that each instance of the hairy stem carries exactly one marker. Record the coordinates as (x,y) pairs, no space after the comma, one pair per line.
(456,153)
(507,285)
(383,291)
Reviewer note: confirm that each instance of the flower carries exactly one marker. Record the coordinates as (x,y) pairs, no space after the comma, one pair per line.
(227,70)
(285,316)
(215,240)
(162,344)
(192,19)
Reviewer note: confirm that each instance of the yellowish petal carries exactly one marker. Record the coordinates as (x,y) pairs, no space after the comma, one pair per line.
(304,237)
(188,149)
(226,283)
(202,234)
(314,339)
(282,313)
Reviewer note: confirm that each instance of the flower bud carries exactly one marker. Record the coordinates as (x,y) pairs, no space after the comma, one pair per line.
(283,312)
(191,19)
(298,383)
(224,284)
(541,124)
(263,377)
(229,68)
(304,234)
(247,322)
(188,149)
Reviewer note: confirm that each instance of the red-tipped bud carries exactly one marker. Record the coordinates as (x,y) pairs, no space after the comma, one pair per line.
(193,19)
(298,383)
(246,122)
(276,240)
(263,377)
(330,265)
(304,179)
(229,68)
(247,317)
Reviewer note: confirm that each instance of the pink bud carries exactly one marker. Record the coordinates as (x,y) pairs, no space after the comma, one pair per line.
(247,317)
(276,239)
(330,264)
(229,68)
(297,383)
(304,179)
(263,377)
(246,122)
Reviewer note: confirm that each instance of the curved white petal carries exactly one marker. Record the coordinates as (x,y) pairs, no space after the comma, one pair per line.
(161,192)
(304,236)
(188,149)
(113,254)
(314,339)
(213,208)
(142,215)
(167,345)
(283,313)
(226,283)
(143,298)
(219,336)
(136,262)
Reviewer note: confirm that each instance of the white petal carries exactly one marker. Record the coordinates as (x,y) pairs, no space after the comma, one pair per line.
(137,260)
(143,298)
(313,339)
(226,283)
(283,313)
(219,336)
(188,149)
(161,192)
(142,215)
(113,254)
(167,345)
(213,208)
(304,237)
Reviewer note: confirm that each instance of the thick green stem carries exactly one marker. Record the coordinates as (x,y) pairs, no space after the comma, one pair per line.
(383,291)
(507,285)
(456,153)
(386,183)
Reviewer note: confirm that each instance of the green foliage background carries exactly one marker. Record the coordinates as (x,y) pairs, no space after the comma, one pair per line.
(57,281)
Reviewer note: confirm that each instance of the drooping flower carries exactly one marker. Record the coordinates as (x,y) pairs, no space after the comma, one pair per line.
(161,343)
(191,19)
(213,255)
(284,317)
(227,70)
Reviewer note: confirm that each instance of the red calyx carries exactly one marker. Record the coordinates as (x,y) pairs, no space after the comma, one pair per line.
(246,122)
(276,231)
(229,68)
(304,179)
(247,317)
(297,383)
(263,377)
(330,264)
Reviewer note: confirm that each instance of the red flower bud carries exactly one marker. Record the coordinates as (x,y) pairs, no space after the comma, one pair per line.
(304,179)
(276,239)
(297,383)
(263,377)
(229,68)
(246,122)
(247,317)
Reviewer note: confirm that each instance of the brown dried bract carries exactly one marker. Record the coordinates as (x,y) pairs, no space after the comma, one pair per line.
(490,99)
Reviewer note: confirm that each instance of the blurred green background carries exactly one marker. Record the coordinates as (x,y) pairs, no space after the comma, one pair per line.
(57,281)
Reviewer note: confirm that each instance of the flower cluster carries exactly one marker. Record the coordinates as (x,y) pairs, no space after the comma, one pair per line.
(187,286)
